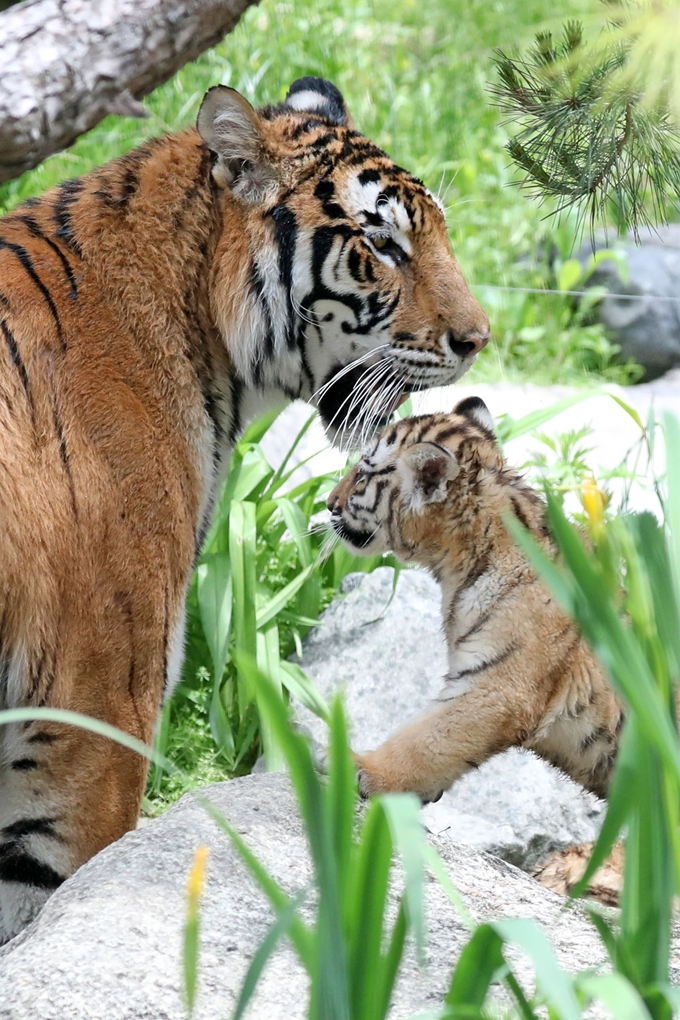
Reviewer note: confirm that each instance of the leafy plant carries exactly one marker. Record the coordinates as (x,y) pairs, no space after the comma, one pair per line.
(625,595)
(263,578)
(350,951)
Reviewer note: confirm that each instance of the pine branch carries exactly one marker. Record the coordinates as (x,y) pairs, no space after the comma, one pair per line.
(586,134)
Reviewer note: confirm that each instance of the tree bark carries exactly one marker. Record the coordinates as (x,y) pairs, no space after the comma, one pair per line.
(66,64)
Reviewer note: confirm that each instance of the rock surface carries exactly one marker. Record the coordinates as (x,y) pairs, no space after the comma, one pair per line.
(107,945)
(515,806)
(646,326)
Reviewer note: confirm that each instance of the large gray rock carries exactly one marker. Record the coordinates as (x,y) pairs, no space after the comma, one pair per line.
(516,806)
(108,944)
(647,328)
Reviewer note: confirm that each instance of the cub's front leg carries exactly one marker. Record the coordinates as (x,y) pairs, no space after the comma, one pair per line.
(429,754)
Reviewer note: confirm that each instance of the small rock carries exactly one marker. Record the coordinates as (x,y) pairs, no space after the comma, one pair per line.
(647,329)
(388,657)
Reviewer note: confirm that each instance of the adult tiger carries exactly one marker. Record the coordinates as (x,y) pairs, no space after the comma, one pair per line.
(147,311)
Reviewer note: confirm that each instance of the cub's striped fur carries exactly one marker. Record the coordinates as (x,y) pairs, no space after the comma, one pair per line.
(147,311)
(434,490)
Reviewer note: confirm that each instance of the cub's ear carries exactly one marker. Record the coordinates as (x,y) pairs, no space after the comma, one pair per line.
(316,95)
(230,128)
(429,469)
(476,410)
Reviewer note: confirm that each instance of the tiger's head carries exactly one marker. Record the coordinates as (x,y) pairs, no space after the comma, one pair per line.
(427,481)
(350,294)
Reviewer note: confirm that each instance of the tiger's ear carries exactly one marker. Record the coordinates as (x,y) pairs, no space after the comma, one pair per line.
(476,410)
(230,128)
(316,95)
(429,469)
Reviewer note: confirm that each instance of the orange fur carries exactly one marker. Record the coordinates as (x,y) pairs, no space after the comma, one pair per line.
(147,311)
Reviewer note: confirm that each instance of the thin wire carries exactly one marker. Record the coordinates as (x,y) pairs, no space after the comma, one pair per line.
(578,293)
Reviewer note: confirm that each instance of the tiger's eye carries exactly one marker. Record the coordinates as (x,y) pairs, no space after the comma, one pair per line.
(380,242)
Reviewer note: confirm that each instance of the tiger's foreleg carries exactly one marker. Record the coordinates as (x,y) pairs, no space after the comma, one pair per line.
(452,737)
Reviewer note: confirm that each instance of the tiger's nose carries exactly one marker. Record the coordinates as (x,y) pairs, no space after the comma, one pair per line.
(467,345)
(332,502)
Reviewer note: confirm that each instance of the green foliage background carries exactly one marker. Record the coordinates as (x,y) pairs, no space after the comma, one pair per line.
(415,76)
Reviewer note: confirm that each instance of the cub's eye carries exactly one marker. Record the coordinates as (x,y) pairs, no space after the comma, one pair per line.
(380,242)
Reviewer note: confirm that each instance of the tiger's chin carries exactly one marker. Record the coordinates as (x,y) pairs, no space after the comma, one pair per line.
(357,403)
(360,543)
(354,404)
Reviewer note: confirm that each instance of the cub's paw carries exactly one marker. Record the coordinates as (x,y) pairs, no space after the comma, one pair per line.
(369,781)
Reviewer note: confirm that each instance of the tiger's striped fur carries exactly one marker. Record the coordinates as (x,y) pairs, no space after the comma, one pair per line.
(147,312)
(434,490)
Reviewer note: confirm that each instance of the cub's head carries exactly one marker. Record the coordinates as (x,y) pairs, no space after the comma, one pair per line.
(349,293)
(418,482)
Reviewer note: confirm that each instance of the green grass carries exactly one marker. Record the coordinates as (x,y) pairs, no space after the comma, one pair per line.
(415,77)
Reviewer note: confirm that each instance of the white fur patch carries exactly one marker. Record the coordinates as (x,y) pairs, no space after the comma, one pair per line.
(307,101)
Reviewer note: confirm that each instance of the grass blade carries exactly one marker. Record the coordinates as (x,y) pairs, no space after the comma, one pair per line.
(300,935)
(408,835)
(279,928)
(85,722)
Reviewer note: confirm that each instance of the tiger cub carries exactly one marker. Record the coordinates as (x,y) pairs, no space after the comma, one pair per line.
(434,490)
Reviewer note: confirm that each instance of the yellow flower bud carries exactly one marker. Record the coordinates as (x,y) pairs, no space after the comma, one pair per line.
(196,880)
(594,501)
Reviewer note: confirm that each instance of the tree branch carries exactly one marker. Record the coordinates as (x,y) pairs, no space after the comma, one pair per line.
(66,64)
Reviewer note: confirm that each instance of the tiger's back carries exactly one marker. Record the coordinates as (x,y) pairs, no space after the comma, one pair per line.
(435,491)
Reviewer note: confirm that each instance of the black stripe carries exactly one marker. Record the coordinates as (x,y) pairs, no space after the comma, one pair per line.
(21,867)
(63,453)
(69,192)
(519,513)
(379,489)
(30,827)
(4,301)
(25,260)
(488,663)
(478,570)
(166,638)
(257,285)
(24,764)
(285,233)
(18,363)
(592,738)
(37,232)
(236,394)
(492,609)
(42,738)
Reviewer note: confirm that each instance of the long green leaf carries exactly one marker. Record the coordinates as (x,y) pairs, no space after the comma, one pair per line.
(672,435)
(215,603)
(301,687)
(368,895)
(277,931)
(408,835)
(85,722)
(478,966)
(554,983)
(300,935)
(279,601)
(242,552)
(616,993)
